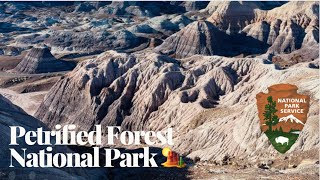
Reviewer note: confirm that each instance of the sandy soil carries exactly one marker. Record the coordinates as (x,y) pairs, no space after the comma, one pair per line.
(29,102)
(208,171)
(9,62)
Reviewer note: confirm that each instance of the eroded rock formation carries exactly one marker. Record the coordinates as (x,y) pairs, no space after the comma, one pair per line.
(287,28)
(40,60)
(200,37)
(208,100)
(203,38)
(248,28)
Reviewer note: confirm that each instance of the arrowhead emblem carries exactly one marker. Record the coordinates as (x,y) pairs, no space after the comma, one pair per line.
(283,114)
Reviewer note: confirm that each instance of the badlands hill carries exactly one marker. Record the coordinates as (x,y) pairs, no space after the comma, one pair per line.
(287,28)
(40,60)
(208,100)
(193,66)
(202,37)
(275,31)
(233,16)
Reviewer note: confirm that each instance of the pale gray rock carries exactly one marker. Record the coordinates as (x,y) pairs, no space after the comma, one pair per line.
(241,135)
(12,51)
(209,101)
(138,8)
(287,28)
(202,37)
(166,24)
(194,5)
(199,37)
(264,5)
(233,16)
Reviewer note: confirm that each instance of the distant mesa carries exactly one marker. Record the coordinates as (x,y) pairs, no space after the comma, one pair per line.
(40,60)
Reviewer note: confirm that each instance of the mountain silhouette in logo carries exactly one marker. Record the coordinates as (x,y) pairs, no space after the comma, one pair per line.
(290,118)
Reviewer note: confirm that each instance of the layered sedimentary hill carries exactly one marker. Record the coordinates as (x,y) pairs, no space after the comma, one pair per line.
(203,38)
(40,60)
(200,37)
(208,100)
(287,28)
(249,28)
(263,5)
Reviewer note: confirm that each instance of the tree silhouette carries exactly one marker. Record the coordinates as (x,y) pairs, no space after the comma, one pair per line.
(280,129)
(270,116)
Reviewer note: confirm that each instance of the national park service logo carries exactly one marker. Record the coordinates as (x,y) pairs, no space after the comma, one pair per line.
(283,114)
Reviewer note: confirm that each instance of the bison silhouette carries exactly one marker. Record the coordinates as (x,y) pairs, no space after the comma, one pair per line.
(282,140)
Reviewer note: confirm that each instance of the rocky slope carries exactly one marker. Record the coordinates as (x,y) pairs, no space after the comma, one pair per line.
(208,100)
(241,24)
(233,16)
(40,60)
(86,28)
(194,5)
(165,24)
(11,115)
(82,28)
(287,28)
(139,8)
(202,37)
(263,5)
